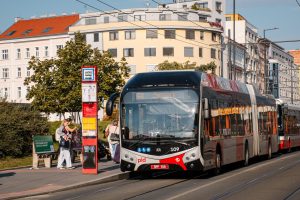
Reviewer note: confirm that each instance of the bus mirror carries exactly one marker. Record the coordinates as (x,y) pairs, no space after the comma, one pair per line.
(110,104)
(206,108)
(125,133)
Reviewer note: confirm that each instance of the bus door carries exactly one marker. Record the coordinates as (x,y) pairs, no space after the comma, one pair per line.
(256,141)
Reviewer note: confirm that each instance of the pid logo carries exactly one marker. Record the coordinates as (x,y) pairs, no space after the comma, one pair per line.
(141,160)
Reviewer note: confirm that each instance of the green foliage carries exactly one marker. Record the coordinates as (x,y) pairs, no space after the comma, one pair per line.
(175,66)
(208,67)
(55,86)
(187,66)
(195,7)
(18,123)
(11,162)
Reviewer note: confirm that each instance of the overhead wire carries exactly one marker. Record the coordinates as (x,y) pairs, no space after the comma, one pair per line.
(108,13)
(100,1)
(181,16)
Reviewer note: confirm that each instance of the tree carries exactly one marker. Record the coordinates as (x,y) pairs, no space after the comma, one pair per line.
(187,66)
(55,85)
(208,67)
(18,123)
(175,66)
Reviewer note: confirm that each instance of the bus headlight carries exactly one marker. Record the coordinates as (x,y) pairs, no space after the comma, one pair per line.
(191,155)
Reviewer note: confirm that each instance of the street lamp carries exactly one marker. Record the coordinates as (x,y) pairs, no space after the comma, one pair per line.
(265,58)
(269,29)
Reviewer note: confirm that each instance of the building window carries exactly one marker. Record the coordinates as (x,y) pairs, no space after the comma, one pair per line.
(218,20)
(137,17)
(37,52)
(113,52)
(190,34)
(46,51)
(128,52)
(182,17)
(149,52)
(19,72)
(188,52)
(90,21)
(5,73)
(201,35)
(27,53)
(58,47)
(122,18)
(106,19)
(168,51)
(202,18)
(19,92)
(214,36)
(219,6)
(213,53)
(200,52)
(203,5)
(96,37)
(5,92)
(18,53)
(151,33)
(170,34)
(28,72)
(129,35)
(47,30)
(164,17)
(5,54)
(11,33)
(114,35)
(27,32)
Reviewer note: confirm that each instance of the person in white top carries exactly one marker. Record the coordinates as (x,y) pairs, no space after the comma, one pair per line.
(112,134)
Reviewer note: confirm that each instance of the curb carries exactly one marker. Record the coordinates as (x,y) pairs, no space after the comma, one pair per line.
(112,178)
(13,168)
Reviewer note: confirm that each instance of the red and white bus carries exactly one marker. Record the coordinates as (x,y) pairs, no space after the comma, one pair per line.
(189,120)
(288,125)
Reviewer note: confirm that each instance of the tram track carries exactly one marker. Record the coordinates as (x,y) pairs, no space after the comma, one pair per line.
(293,194)
(242,187)
(167,185)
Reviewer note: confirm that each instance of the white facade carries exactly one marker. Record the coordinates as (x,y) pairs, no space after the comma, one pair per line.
(140,36)
(283,77)
(213,10)
(13,68)
(246,34)
(240,55)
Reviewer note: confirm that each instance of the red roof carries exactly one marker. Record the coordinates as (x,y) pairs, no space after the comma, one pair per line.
(39,27)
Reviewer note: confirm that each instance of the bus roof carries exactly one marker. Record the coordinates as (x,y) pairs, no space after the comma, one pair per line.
(165,78)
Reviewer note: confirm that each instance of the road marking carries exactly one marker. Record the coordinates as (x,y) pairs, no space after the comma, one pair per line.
(103,190)
(228,177)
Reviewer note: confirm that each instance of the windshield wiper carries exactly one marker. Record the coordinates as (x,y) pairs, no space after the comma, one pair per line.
(139,140)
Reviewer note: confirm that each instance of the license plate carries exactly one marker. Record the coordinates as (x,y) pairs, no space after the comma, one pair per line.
(159,166)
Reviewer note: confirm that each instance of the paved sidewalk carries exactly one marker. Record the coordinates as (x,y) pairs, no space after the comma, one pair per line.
(17,183)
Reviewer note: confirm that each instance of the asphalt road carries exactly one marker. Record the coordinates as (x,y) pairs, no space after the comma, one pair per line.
(278,178)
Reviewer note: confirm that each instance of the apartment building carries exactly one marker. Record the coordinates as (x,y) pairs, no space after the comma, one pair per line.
(234,70)
(209,10)
(38,37)
(282,78)
(147,37)
(247,35)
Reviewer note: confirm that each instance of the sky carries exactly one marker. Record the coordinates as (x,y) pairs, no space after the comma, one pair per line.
(263,14)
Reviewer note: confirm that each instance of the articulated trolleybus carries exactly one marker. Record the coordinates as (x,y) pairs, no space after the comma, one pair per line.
(189,120)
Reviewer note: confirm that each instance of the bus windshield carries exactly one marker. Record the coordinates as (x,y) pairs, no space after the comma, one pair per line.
(164,114)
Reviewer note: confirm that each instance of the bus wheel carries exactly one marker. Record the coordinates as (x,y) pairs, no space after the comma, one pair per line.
(269,151)
(246,161)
